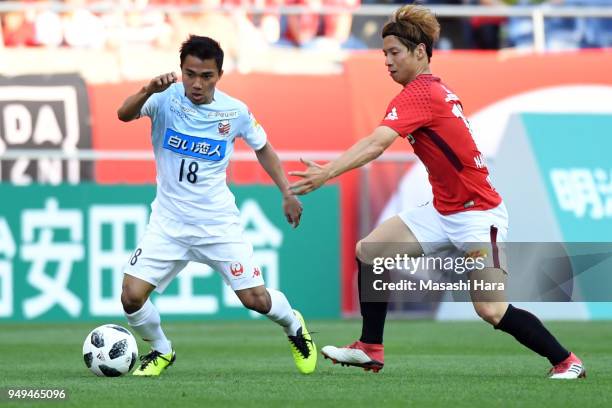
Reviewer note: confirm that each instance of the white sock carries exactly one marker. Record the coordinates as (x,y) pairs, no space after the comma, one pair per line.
(147,323)
(282,313)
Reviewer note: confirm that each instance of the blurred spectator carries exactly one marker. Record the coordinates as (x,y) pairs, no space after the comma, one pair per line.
(243,34)
(560,33)
(597,31)
(82,28)
(454,33)
(302,28)
(135,24)
(484,32)
(312,30)
(254,33)
(212,22)
(338,26)
(267,23)
(18,28)
(564,33)
(48,30)
(46,27)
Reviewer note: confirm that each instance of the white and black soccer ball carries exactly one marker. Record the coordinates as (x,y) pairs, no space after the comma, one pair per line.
(110,351)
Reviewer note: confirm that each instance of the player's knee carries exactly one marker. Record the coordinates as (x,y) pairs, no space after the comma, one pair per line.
(131,300)
(490,312)
(364,253)
(257,301)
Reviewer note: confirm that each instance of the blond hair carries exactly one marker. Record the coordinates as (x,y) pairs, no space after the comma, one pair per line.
(413,24)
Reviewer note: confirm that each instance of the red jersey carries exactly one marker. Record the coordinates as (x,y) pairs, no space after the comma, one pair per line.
(430,116)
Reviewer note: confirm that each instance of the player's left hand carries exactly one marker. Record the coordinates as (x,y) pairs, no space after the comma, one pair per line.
(312,178)
(292,207)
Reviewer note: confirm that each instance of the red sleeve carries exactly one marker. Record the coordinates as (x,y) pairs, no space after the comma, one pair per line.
(409,110)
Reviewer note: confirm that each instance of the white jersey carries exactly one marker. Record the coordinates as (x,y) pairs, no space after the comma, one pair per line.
(192,145)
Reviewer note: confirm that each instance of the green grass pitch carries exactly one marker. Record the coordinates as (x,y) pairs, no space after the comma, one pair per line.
(428,364)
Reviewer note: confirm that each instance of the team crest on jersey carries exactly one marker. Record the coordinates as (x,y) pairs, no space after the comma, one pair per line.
(236,268)
(392,115)
(224,127)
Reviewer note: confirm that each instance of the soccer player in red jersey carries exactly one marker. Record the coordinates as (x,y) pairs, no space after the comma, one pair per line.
(466,208)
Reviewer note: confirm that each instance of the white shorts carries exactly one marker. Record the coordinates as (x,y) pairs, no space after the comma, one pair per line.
(468,233)
(168,245)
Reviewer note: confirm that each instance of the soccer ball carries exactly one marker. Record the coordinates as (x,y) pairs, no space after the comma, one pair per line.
(110,351)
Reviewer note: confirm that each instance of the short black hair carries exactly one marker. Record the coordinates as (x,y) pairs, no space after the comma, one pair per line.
(203,48)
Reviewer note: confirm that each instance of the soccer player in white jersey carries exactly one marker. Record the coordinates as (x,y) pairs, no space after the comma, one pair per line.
(194,215)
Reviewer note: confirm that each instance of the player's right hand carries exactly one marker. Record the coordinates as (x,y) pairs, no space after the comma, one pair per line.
(161,83)
(313,177)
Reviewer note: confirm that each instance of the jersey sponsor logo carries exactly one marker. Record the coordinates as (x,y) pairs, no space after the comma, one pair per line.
(256,272)
(199,147)
(183,108)
(178,112)
(236,268)
(224,114)
(392,115)
(224,127)
(254,121)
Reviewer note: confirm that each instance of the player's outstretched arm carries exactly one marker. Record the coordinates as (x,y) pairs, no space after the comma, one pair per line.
(269,160)
(362,152)
(131,107)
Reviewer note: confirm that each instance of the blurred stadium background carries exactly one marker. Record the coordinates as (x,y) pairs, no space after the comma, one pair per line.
(534,78)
